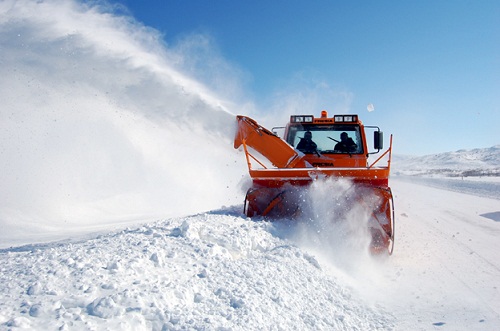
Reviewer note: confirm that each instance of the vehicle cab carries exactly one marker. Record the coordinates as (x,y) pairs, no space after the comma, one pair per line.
(337,141)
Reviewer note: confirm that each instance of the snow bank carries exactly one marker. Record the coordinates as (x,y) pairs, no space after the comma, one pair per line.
(214,271)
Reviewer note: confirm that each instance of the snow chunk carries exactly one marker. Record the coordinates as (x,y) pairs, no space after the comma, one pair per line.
(35,310)
(34,289)
(104,308)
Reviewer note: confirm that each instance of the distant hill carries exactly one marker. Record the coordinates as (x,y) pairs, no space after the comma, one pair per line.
(474,162)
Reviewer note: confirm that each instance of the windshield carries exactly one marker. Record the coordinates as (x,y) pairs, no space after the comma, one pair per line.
(326,138)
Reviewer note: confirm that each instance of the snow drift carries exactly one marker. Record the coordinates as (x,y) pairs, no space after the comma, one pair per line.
(204,272)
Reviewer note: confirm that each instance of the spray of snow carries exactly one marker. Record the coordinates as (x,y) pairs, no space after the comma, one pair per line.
(334,225)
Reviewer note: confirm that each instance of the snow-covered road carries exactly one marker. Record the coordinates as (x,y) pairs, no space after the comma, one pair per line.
(221,271)
(446,268)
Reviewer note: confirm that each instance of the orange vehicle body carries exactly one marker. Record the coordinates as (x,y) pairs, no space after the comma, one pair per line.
(279,168)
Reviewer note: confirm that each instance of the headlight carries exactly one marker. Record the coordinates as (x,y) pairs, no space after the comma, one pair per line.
(346,118)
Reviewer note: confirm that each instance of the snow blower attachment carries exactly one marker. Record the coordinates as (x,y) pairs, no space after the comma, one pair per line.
(317,149)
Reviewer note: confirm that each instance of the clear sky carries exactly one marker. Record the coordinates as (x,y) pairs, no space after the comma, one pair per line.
(430,68)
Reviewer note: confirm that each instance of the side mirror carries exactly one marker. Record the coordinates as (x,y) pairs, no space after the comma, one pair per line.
(378,142)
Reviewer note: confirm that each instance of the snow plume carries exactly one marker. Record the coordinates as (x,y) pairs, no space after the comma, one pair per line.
(334,224)
(335,229)
(97,126)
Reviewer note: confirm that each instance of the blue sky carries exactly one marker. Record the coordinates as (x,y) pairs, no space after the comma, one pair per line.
(431,68)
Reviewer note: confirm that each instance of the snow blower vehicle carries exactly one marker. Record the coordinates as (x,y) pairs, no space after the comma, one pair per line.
(317,149)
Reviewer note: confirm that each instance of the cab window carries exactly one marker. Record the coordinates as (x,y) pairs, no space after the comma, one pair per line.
(328,138)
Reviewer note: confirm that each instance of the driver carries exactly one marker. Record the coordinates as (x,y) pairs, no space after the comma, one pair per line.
(346,144)
(306,144)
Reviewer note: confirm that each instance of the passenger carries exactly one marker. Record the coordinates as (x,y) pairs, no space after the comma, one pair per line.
(346,144)
(306,144)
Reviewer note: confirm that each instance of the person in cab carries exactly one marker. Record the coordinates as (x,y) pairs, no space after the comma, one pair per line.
(346,144)
(306,144)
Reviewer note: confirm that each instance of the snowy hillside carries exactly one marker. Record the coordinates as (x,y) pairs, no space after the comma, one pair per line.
(475,162)
(475,171)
